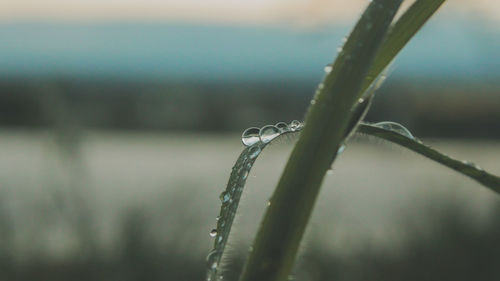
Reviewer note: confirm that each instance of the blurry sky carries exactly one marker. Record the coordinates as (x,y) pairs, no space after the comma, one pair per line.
(218,11)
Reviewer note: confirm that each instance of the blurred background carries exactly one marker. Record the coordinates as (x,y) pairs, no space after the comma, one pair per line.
(120,122)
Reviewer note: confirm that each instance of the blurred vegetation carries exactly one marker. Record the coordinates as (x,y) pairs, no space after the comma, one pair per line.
(452,248)
(470,111)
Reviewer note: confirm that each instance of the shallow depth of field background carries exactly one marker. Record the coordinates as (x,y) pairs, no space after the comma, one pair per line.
(120,121)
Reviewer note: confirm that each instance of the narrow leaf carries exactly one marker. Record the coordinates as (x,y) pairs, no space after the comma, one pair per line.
(464,167)
(399,34)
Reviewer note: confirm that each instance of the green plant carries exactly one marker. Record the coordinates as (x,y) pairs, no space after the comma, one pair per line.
(336,111)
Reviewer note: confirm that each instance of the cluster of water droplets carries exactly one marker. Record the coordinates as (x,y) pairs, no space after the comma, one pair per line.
(267,133)
(255,139)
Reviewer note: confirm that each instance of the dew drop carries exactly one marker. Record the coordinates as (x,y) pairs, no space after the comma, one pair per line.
(245,174)
(225,197)
(396,127)
(295,125)
(361,100)
(213,232)
(250,136)
(212,259)
(268,133)
(254,152)
(471,164)
(282,126)
(313,102)
(341,149)
(328,68)
(217,218)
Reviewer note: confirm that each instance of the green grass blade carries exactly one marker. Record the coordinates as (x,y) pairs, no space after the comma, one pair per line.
(464,167)
(399,34)
(230,199)
(281,231)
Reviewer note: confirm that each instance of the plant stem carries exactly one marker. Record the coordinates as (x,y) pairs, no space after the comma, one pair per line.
(399,34)
(284,223)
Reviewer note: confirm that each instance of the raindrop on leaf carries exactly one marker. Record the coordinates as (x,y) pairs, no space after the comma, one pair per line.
(282,126)
(395,127)
(268,133)
(225,197)
(250,136)
(295,125)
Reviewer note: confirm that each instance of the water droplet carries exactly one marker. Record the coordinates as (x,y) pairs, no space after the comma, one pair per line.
(341,149)
(245,174)
(254,152)
(361,100)
(225,197)
(295,125)
(213,232)
(328,68)
(212,259)
(250,136)
(268,202)
(393,126)
(219,239)
(339,49)
(313,102)
(217,218)
(471,164)
(282,126)
(268,133)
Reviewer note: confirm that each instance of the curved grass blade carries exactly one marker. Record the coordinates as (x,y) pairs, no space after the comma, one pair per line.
(464,167)
(230,199)
(231,196)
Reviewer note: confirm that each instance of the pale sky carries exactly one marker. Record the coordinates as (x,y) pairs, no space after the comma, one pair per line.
(305,12)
